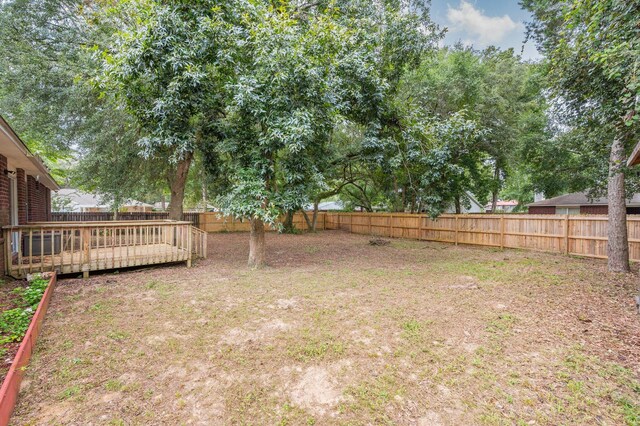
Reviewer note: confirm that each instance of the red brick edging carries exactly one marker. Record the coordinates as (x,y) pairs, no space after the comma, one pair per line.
(11,385)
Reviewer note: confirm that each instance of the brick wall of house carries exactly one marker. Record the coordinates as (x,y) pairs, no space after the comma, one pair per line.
(542,210)
(47,193)
(21,179)
(38,201)
(5,209)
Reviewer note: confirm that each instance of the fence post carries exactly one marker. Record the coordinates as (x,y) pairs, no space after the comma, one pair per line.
(456,230)
(391,226)
(369,216)
(566,234)
(502,231)
(351,222)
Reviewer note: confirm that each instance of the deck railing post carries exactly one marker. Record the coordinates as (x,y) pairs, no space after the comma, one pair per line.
(86,253)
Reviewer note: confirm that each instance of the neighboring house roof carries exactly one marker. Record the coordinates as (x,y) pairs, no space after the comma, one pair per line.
(12,147)
(331,205)
(503,203)
(328,205)
(578,199)
(474,201)
(80,199)
(136,203)
(475,205)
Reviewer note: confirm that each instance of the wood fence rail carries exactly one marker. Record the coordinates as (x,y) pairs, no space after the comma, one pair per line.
(570,234)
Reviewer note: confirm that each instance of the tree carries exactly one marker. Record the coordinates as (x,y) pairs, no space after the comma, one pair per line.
(45,65)
(40,50)
(163,64)
(497,90)
(298,71)
(593,49)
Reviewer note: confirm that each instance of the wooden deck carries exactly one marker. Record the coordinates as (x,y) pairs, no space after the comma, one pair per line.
(74,247)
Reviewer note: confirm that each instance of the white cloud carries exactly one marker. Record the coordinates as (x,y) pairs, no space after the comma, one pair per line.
(482,28)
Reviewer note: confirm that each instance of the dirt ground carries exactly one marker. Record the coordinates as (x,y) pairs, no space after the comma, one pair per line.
(336,331)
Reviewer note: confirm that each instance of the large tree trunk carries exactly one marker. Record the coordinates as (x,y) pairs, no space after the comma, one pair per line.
(288,227)
(306,219)
(257,246)
(458,205)
(177,183)
(618,249)
(315,216)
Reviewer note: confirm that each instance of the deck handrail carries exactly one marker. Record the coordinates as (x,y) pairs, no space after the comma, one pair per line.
(96,224)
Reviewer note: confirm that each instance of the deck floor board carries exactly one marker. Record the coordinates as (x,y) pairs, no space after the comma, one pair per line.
(103,258)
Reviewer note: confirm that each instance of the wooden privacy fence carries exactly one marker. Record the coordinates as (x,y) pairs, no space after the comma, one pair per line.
(124,216)
(213,222)
(569,234)
(71,247)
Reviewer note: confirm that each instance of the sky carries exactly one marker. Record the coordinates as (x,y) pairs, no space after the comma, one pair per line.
(482,23)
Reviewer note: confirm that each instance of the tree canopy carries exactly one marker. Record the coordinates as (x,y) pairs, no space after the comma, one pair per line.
(263,107)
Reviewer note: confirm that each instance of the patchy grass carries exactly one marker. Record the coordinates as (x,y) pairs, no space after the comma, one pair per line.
(336,331)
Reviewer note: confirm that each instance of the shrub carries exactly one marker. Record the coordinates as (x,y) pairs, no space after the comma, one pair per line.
(32,294)
(14,324)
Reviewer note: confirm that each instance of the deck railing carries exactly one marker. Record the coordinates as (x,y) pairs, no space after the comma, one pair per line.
(72,247)
(198,242)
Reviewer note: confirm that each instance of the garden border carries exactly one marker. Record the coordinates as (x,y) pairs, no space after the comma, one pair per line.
(11,385)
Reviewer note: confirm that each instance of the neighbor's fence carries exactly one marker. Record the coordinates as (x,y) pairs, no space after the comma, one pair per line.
(575,235)
(124,216)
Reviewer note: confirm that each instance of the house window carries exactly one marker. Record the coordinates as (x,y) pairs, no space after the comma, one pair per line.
(567,210)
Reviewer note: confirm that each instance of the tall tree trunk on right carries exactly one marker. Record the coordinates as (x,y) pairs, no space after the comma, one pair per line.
(177,184)
(618,248)
(257,246)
